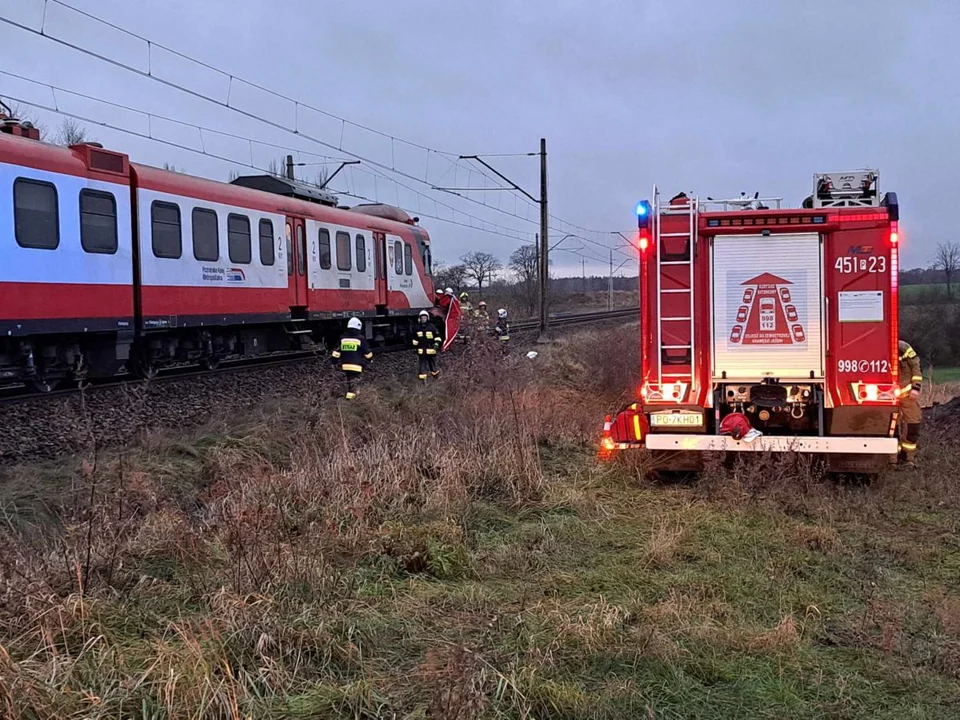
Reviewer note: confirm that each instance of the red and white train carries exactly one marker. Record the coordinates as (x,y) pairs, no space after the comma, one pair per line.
(107,266)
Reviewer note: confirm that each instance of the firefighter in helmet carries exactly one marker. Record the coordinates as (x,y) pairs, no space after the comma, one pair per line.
(911,380)
(481,311)
(465,303)
(352,355)
(427,341)
(503,326)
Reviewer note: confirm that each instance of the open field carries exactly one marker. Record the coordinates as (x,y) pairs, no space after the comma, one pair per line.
(930,292)
(941,375)
(458,553)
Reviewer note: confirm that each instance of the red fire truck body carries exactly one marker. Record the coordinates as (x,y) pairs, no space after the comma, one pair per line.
(786,316)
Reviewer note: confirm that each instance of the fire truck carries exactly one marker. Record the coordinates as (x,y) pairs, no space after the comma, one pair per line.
(767,329)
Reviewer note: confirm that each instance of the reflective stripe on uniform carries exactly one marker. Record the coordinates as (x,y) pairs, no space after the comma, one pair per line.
(431,351)
(351,395)
(369,356)
(908,446)
(335,353)
(422,376)
(350,367)
(349,344)
(917,379)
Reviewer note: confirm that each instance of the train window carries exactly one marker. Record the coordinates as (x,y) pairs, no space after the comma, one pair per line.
(343,251)
(407,259)
(289,250)
(361,253)
(165,230)
(238,239)
(206,235)
(301,251)
(398,257)
(36,214)
(266,243)
(325,261)
(98,222)
(427,260)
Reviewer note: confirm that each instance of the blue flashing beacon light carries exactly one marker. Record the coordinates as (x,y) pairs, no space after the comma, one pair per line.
(643,213)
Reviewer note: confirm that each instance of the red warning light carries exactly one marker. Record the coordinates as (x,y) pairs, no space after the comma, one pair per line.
(643,242)
(894,233)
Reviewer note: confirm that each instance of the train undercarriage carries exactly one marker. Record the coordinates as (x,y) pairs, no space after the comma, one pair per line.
(44,362)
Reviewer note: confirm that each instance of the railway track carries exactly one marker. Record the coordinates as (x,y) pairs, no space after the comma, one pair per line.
(20,394)
(578,319)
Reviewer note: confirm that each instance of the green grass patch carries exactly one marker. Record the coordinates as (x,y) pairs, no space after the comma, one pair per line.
(943,375)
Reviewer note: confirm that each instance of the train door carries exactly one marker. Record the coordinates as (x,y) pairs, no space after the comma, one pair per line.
(297,261)
(380,274)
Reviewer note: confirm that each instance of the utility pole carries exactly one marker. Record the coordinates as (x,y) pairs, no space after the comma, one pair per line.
(544,246)
(610,286)
(583,271)
(290,167)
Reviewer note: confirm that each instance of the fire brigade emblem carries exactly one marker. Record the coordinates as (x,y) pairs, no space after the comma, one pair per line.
(767,314)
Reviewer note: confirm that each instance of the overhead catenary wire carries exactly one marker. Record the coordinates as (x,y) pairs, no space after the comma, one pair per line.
(481,224)
(150,71)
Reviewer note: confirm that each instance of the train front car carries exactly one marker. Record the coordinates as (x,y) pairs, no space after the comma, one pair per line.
(402,264)
(66,276)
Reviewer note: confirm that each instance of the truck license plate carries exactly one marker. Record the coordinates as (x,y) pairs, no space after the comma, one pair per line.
(677,420)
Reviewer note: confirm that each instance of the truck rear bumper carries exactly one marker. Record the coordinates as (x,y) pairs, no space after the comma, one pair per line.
(722,443)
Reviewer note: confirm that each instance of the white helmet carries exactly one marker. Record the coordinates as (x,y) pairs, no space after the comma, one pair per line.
(424,313)
(354,324)
(449,291)
(501,313)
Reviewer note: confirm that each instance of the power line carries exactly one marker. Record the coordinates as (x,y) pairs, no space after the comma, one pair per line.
(484,225)
(150,72)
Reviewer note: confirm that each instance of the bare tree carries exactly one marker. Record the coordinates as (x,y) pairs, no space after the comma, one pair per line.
(453,276)
(525,265)
(481,267)
(947,261)
(70,132)
(278,168)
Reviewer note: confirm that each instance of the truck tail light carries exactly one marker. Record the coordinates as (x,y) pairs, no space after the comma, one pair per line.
(873,392)
(894,233)
(668,392)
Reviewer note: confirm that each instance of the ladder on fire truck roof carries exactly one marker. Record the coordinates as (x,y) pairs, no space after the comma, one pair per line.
(685,353)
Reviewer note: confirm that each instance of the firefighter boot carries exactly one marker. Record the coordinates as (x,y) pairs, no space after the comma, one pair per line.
(908,446)
(353,380)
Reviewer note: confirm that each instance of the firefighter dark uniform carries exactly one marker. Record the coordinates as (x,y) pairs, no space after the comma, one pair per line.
(427,341)
(352,355)
(911,379)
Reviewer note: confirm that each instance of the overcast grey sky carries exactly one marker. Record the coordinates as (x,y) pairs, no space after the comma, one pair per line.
(713,97)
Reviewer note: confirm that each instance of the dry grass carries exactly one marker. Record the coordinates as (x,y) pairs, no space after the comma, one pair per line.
(460,555)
